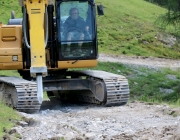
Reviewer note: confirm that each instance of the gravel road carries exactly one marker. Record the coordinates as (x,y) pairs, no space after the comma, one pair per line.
(134,121)
(142,61)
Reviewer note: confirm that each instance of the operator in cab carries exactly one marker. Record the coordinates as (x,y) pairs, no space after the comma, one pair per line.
(75,27)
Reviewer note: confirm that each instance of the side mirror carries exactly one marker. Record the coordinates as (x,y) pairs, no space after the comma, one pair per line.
(100,10)
(12,14)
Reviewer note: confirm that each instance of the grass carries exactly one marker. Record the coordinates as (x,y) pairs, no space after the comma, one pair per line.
(6,8)
(128,28)
(9,73)
(150,85)
(7,114)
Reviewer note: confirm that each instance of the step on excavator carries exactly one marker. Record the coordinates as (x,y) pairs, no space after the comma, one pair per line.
(46,46)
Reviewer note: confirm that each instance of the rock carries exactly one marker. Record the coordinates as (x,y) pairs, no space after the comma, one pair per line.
(135,83)
(166,91)
(70,136)
(22,123)
(97,119)
(12,131)
(6,137)
(60,136)
(171,77)
(90,136)
(44,112)
(113,121)
(79,138)
(145,42)
(56,138)
(5,130)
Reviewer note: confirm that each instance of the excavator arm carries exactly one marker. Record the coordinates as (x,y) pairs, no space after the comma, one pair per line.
(36,10)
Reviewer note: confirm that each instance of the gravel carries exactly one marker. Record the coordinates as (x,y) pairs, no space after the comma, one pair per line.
(83,121)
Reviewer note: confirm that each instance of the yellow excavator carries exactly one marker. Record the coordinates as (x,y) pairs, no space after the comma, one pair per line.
(46,52)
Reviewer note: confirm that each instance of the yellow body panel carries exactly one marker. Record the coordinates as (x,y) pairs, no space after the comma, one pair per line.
(10,51)
(11,66)
(7,59)
(11,46)
(7,32)
(78,64)
(36,11)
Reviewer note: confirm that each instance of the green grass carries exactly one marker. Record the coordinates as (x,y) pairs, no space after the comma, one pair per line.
(128,28)
(7,118)
(6,8)
(7,113)
(146,84)
(9,73)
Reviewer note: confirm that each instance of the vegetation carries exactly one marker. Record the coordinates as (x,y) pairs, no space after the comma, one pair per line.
(8,117)
(6,8)
(148,84)
(129,29)
(172,16)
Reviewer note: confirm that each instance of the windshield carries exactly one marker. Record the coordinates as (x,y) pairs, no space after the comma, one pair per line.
(76,29)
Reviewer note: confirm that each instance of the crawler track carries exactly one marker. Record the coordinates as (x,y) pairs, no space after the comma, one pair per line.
(20,94)
(109,89)
(116,86)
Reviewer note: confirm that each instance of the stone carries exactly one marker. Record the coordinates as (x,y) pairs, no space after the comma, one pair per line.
(22,123)
(90,136)
(70,136)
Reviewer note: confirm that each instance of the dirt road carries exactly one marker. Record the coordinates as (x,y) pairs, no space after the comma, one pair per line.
(134,121)
(89,122)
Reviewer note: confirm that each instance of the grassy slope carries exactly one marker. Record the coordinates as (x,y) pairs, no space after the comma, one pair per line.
(129,23)
(7,118)
(6,113)
(150,85)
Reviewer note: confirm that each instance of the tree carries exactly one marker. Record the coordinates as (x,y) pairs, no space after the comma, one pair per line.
(172,17)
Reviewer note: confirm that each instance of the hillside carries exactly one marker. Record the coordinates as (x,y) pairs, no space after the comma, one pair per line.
(127,28)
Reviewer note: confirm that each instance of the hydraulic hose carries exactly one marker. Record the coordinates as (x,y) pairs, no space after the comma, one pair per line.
(24,28)
(46,39)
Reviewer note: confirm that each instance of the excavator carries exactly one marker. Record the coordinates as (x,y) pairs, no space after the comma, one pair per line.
(37,46)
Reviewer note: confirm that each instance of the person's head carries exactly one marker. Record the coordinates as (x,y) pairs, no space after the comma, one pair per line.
(74,13)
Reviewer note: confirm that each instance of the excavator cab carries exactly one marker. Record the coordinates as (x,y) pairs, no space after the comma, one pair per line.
(76,30)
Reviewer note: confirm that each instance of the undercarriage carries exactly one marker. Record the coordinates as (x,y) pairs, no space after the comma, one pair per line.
(90,86)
